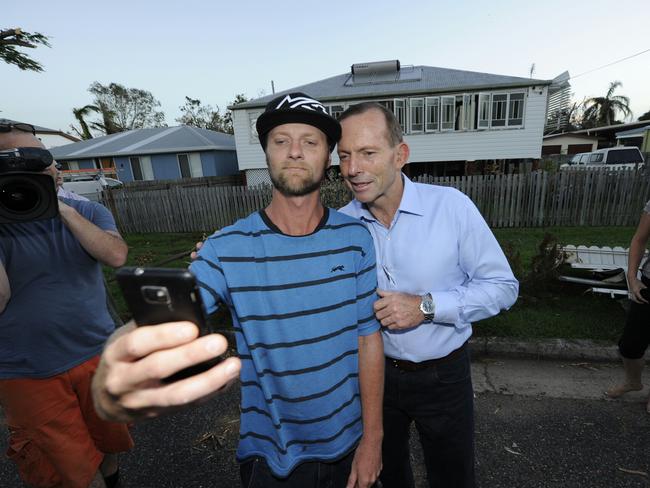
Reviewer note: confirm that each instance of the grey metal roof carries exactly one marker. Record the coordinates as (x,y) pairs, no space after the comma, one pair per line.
(411,80)
(141,142)
(638,132)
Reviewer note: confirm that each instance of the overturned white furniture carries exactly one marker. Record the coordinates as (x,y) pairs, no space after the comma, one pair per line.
(607,264)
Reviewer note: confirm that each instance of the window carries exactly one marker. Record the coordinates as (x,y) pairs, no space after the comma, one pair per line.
(417,114)
(388,104)
(458,113)
(252,120)
(184,164)
(447,115)
(136,169)
(336,110)
(596,158)
(499,106)
(483,110)
(432,114)
(516,109)
(468,112)
(400,113)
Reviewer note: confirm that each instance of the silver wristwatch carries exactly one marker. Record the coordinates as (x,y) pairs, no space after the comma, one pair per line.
(427,307)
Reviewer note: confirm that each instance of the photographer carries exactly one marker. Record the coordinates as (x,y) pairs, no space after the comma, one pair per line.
(53,326)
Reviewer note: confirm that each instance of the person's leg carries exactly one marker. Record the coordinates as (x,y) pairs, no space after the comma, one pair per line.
(444,418)
(396,471)
(335,474)
(255,473)
(632,347)
(48,433)
(109,437)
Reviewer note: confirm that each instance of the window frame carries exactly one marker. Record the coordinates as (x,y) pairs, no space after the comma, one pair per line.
(505,110)
(523,109)
(452,113)
(180,167)
(413,107)
(484,99)
(437,113)
(402,123)
(137,158)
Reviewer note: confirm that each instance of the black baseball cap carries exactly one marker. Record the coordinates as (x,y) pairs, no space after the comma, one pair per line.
(298,108)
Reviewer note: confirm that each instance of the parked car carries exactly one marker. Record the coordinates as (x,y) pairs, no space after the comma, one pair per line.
(91,189)
(89,186)
(621,157)
(103,180)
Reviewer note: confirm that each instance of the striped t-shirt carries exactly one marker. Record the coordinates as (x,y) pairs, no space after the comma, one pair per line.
(299,304)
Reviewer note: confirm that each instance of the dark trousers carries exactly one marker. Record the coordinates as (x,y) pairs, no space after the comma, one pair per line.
(636,334)
(440,401)
(255,473)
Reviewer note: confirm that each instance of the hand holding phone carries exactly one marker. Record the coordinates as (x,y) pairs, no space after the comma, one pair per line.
(159,295)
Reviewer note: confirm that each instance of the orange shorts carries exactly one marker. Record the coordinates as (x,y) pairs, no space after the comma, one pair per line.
(56,438)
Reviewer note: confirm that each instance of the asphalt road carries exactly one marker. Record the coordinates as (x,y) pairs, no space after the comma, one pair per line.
(544,436)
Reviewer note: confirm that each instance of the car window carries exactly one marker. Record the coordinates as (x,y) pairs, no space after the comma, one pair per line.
(584,158)
(622,156)
(596,158)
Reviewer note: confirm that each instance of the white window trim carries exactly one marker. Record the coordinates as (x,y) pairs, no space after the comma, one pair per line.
(426,114)
(483,95)
(523,110)
(403,124)
(505,120)
(453,112)
(411,107)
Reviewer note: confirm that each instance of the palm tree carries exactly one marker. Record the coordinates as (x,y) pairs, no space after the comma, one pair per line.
(80,114)
(600,111)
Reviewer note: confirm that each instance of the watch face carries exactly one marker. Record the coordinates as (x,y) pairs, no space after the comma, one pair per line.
(427,306)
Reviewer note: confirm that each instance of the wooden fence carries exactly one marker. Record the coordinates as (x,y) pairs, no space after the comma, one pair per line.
(595,198)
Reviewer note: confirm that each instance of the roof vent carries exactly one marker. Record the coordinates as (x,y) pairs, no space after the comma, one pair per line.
(375,68)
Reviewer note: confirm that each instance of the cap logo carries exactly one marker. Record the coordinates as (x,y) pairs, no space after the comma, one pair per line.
(303,102)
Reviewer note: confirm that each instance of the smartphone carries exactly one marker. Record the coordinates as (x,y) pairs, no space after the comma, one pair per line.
(159,295)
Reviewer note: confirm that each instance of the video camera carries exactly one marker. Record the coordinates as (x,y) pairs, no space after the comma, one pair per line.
(25,193)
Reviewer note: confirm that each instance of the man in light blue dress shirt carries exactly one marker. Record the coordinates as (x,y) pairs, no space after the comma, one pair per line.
(439,269)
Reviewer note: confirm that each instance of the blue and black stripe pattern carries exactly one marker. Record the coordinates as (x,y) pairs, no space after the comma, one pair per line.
(299,305)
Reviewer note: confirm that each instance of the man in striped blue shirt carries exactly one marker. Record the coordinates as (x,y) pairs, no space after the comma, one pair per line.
(300,281)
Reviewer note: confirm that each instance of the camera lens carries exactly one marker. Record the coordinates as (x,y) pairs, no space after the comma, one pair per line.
(158,295)
(27,196)
(19,196)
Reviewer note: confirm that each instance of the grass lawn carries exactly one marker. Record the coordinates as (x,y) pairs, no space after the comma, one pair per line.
(564,311)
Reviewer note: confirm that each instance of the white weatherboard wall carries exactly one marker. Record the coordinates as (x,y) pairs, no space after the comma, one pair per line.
(468,145)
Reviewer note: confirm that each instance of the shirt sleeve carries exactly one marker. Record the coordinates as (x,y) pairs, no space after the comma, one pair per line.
(367,288)
(209,275)
(490,285)
(95,213)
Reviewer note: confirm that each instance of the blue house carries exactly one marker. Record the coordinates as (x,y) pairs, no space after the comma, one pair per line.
(162,153)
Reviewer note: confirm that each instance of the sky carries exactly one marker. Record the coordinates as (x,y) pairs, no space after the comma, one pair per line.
(214,50)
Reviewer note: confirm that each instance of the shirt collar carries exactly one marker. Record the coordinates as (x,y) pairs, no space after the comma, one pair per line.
(410,202)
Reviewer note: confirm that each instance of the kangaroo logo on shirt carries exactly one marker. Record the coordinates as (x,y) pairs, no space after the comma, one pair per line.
(337,268)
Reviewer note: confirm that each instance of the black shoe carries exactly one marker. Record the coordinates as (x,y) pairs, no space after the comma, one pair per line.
(113,480)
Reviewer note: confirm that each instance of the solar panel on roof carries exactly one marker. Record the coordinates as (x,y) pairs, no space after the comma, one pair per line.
(412,74)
